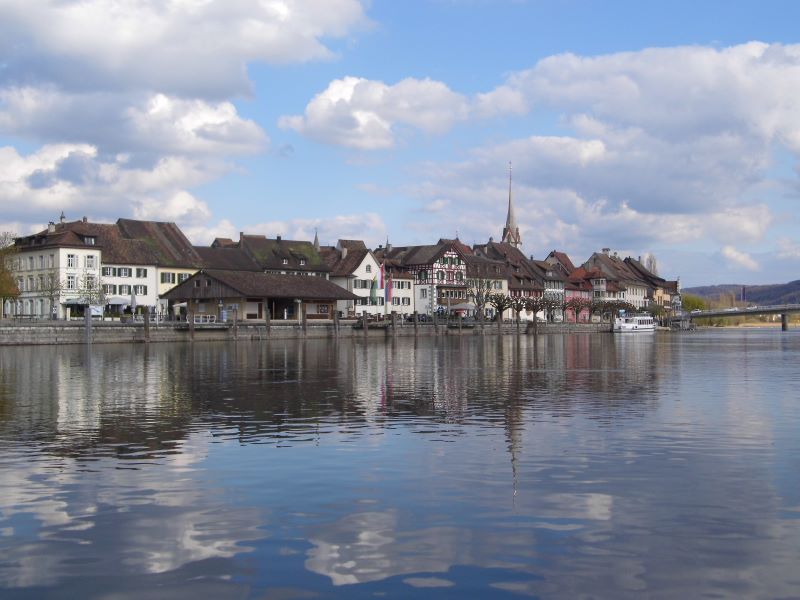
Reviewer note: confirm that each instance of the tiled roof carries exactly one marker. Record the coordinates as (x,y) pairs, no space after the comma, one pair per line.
(344,266)
(270,253)
(166,239)
(226,257)
(260,285)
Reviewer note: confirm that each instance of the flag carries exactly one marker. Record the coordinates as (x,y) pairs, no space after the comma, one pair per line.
(373,291)
(387,291)
(382,274)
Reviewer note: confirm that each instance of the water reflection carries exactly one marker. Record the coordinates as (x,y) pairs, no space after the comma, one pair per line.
(560,466)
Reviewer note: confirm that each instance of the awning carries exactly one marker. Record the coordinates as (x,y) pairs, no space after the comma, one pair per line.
(76,301)
(463,306)
(117,301)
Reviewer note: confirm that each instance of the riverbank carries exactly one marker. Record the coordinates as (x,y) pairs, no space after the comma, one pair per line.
(76,332)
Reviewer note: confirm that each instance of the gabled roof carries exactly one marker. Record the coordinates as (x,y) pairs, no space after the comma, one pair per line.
(270,253)
(561,258)
(259,285)
(226,257)
(166,239)
(345,257)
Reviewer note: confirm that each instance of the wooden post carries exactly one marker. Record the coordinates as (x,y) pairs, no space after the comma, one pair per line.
(394,323)
(87,317)
(236,323)
(146,325)
(364,324)
(785,322)
(302,308)
(460,323)
(267,318)
(416,322)
(190,318)
(335,322)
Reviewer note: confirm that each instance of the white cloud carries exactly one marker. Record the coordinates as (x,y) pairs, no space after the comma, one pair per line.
(188,47)
(739,259)
(363,226)
(789,249)
(363,114)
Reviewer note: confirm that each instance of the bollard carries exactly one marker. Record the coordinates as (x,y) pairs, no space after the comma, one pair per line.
(146,326)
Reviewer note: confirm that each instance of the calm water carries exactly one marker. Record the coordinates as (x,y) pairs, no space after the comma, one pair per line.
(587,466)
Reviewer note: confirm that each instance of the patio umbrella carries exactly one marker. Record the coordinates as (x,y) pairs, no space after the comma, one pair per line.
(133,300)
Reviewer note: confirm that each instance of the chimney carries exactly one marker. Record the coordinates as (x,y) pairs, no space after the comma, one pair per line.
(85,219)
(344,252)
(51,227)
(606,251)
(388,247)
(278,238)
(640,258)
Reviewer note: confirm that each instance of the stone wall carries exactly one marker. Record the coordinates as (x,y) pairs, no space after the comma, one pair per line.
(15,334)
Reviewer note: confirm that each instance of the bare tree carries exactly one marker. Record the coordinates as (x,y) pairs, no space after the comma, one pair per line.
(651,264)
(91,290)
(479,290)
(501,303)
(8,286)
(51,287)
(518,305)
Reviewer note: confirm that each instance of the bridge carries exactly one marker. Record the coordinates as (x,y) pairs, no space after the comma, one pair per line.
(784,310)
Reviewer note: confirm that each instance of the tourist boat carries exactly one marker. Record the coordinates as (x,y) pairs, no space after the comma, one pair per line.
(634,324)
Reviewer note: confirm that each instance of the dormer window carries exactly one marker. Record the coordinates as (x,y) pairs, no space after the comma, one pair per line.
(285,261)
(302,262)
(90,240)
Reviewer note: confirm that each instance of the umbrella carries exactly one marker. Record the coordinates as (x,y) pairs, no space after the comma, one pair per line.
(133,300)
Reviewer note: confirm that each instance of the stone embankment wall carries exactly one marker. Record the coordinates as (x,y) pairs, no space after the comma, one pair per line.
(15,334)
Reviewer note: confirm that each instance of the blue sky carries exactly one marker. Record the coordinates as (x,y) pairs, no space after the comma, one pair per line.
(667,128)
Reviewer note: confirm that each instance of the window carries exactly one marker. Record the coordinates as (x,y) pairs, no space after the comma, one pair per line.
(395,301)
(72,261)
(124,272)
(183,277)
(285,261)
(406,301)
(423,293)
(449,276)
(141,273)
(140,290)
(71,282)
(302,263)
(21,284)
(30,283)
(167,277)
(208,283)
(40,283)
(91,282)
(323,309)
(196,283)
(124,290)
(369,268)
(89,240)
(109,272)
(89,261)
(440,275)
(41,261)
(51,261)
(109,289)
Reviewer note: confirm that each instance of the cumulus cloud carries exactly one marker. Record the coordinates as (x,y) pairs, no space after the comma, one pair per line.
(739,258)
(363,226)
(365,114)
(187,47)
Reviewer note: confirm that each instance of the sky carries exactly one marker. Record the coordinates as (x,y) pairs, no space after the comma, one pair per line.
(663,128)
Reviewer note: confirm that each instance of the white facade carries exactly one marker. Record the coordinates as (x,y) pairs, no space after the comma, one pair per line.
(168,277)
(49,278)
(442,283)
(361,282)
(121,281)
(402,300)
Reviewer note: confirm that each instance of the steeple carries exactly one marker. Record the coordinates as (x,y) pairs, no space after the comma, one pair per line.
(511,230)
(316,240)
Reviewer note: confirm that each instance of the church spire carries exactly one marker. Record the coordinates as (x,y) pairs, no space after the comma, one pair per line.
(316,240)
(511,230)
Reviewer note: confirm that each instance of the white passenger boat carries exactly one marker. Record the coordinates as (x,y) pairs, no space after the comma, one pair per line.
(634,324)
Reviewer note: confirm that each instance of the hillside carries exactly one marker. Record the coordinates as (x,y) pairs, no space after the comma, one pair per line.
(781,293)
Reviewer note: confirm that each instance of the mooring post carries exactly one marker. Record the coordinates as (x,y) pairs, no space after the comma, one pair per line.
(364,324)
(335,323)
(190,318)
(235,324)
(394,323)
(416,322)
(267,319)
(146,326)
(87,316)
(460,323)
(305,319)
(785,322)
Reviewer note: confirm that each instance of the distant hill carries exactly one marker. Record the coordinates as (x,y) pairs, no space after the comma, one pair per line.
(780,293)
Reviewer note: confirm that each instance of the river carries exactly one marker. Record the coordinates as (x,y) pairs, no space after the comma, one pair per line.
(572,466)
